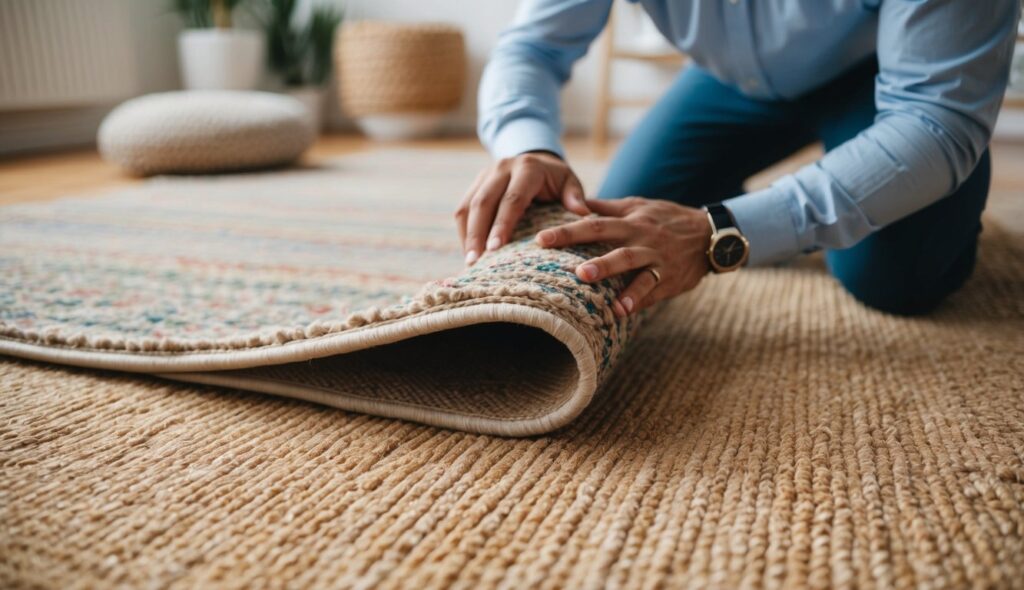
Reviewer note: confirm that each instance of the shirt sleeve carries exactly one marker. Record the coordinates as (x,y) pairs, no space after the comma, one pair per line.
(943,70)
(519,91)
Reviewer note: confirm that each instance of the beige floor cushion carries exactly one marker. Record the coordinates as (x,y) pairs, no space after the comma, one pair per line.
(205,131)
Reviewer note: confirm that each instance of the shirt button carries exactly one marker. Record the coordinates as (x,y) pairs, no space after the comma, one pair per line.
(734,2)
(751,83)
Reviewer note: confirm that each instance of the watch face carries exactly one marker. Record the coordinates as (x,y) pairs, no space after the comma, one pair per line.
(729,251)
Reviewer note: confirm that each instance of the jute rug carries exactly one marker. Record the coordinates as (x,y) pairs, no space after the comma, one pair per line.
(762,431)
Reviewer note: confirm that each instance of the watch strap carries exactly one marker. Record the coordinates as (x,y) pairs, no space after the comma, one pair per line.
(720,216)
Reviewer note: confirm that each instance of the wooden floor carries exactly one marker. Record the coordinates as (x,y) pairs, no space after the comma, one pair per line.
(41,177)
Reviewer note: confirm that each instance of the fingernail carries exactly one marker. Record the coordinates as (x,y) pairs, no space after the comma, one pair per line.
(494,243)
(588,272)
(627,302)
(546,237)
(471,256)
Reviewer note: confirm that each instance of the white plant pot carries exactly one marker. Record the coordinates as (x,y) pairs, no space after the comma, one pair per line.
(221,59)
(399,126)
(311,97)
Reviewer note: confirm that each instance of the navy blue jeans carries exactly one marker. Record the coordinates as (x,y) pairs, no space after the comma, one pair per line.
(703,139)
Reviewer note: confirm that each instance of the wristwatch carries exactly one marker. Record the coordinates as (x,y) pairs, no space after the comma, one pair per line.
(729,248)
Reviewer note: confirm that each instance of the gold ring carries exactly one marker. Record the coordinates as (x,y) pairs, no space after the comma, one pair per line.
(654,273)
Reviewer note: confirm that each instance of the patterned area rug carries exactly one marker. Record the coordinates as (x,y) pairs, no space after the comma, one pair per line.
(764,431)
(310,284)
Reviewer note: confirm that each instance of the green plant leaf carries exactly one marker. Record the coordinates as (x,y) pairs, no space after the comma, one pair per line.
(300,54)
(322,26)
(199,14)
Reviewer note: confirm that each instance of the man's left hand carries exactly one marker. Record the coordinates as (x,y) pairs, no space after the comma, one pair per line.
(649,233)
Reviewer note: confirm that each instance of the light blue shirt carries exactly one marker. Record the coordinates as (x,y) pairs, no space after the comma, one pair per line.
(943,69)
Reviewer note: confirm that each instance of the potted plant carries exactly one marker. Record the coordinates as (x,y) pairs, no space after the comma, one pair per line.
(300,53)
(213,54)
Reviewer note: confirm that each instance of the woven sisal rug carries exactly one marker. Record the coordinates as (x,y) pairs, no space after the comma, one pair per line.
(762,431)
(343,286)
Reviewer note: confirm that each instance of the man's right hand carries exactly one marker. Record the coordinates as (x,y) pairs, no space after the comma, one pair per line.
(501,193)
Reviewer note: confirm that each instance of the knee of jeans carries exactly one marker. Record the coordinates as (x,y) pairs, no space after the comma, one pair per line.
(898,293)
(877,293)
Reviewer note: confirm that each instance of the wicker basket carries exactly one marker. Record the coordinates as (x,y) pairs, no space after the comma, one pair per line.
(388,68)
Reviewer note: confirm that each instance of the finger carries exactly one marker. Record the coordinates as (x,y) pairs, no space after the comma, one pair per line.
(572,196)
(636,296)
(616,262)
(481,214)
(610,207)
(591,229)
(660,293)
(462,211)
(526,183)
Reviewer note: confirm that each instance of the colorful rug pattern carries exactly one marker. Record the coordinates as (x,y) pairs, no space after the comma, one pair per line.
(232,266)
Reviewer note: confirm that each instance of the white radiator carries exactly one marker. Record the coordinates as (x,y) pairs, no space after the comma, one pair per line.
(65,53)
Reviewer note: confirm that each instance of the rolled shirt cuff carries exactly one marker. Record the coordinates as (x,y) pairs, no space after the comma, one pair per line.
(525,134)
(765,217)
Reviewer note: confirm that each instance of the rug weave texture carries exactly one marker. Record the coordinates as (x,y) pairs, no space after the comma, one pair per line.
(763,431)
(265,281)
(792,440)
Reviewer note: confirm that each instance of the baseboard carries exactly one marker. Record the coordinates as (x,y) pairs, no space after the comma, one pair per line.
(42,130)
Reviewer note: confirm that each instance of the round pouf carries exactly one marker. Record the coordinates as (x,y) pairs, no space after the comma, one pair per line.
(398,80)
(205,131)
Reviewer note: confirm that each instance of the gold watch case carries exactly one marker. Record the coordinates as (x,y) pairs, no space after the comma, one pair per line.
(716,237)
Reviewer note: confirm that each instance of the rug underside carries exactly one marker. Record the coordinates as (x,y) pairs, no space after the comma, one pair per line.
(242,281)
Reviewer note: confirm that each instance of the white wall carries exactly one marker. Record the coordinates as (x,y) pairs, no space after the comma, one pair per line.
(156,32)
(1010,124)
(155,27)
(153,33)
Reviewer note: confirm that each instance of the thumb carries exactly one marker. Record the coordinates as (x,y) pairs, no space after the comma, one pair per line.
(572,196)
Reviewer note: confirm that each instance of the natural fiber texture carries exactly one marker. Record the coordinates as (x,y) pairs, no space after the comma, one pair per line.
(762,431)
(213,280)
(386,67)
(205,131)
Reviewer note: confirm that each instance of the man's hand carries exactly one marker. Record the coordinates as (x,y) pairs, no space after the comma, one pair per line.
(650,233)
(502,192)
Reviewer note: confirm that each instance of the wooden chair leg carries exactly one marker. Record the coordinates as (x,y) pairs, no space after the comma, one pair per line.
(599,133)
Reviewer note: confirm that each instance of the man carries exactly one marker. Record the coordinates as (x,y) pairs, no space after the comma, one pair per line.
(902,93)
